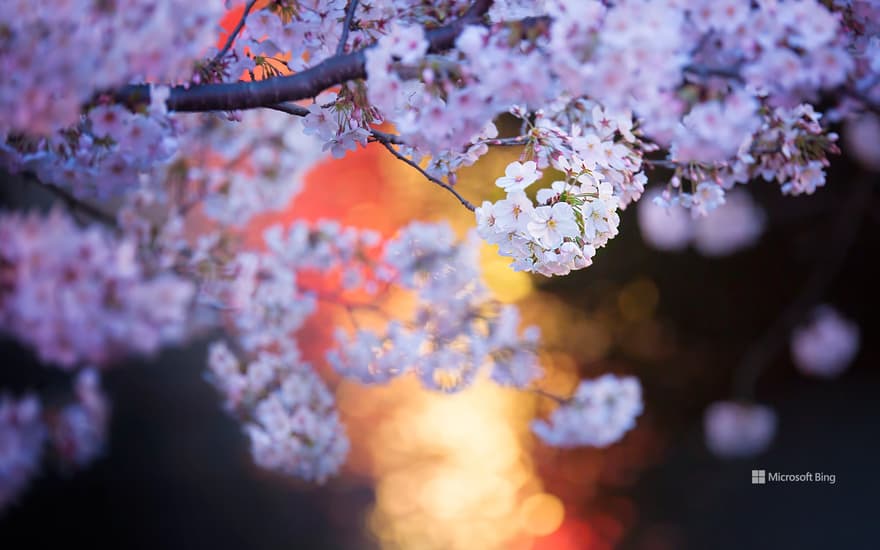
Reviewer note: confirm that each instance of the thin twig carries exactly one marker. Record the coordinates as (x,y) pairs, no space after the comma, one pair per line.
(661,163)
(234,34)
(346,26)
(388,141)
(427,176)
(375,135)
(548,395)
(380,136)
(762,352)
(510,141)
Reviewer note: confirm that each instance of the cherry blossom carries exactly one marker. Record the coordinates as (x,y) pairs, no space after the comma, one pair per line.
(664,227)
(133,116)
(59,278)
(826,346)
(79,429)
(738,430)
(733,226)
(599,413)
(86,47)
(518,176)
(22,433)
(292,425)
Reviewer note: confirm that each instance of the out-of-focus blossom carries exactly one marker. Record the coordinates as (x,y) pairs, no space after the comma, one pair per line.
(827,345)
(738,430)
(726,229)
(79,430)
(723,87)
(87,46)
(862,137)
(599,413)
(289,413)
(664,227)
(456,331)
(22,433)
(735,225)
(58,279)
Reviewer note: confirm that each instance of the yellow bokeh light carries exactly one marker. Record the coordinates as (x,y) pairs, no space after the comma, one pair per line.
(506,284)
(541,514)
(451,470)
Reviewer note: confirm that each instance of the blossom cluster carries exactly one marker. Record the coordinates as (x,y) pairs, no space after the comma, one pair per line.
(827,345)
(78,430)
(699,78)
(599,89)
(287,412)
(789,146)
(455,331)
(22,434)
(83,47)
(558,234)
(599,413)
(734,225)
(102,156)
(338,123)
(237,169)
(56,278)
(74,432)
(259,295)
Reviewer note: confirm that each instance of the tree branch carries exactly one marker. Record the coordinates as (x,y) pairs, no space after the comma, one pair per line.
(234,34)
(290,109)
(387,144)
(388,141)
(346,26)
(235,96)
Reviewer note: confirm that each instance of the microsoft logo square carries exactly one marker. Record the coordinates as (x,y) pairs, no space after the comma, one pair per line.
(759,477)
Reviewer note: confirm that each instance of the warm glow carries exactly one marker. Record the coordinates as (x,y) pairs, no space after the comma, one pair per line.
(451,471)
(541,514)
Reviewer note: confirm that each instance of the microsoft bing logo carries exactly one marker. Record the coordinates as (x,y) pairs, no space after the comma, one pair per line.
(759,477)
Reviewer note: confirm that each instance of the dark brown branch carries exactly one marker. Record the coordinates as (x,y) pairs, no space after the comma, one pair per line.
(234,34)
(235,96)
(346,26)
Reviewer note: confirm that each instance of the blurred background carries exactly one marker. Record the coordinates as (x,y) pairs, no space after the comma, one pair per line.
(430,471)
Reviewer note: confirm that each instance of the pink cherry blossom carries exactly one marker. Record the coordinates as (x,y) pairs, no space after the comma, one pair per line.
(738,430)
(826,346)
